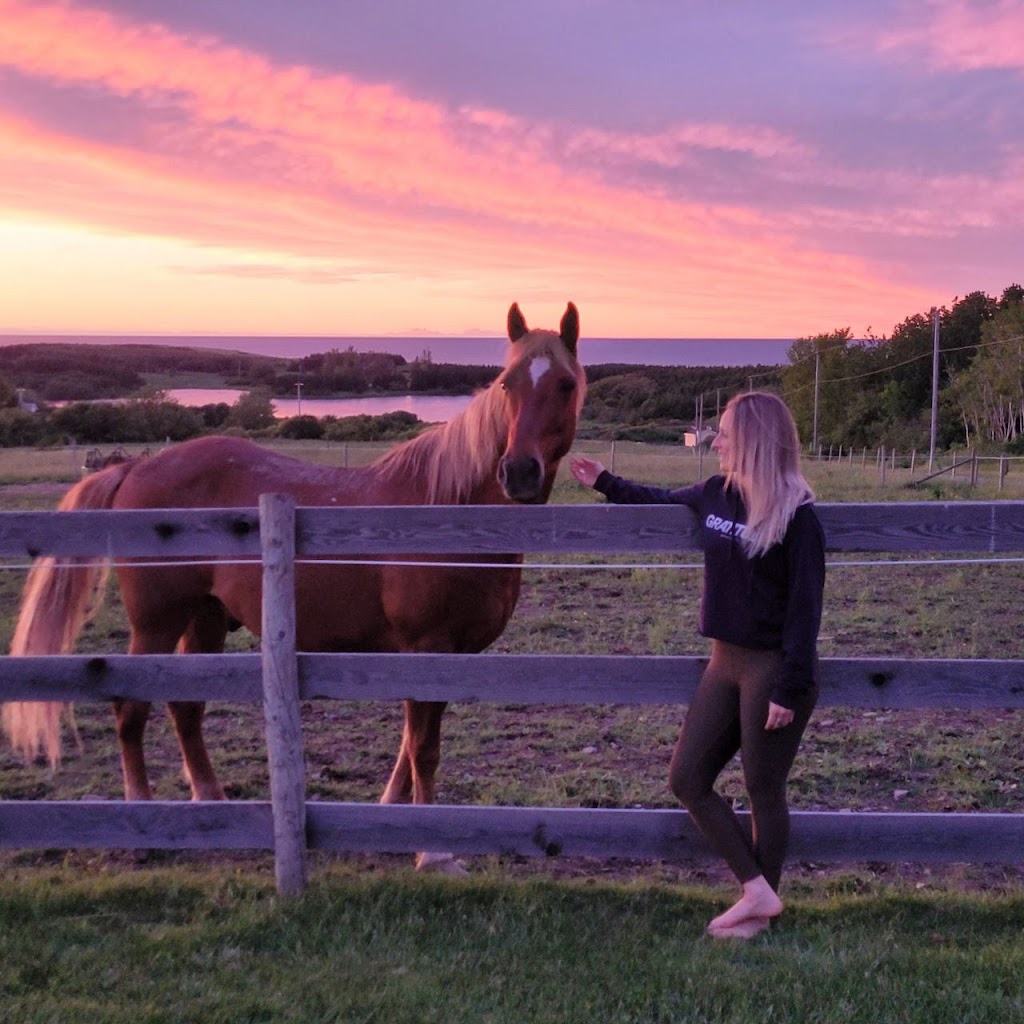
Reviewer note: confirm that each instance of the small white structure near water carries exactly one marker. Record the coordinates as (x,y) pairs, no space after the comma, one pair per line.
(701,438)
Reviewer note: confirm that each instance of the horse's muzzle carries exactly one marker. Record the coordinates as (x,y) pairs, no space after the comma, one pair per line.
(521,478)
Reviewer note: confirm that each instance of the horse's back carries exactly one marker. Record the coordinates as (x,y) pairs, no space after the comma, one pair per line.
(229,472)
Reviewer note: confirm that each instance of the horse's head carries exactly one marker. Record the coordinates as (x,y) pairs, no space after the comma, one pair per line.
(544,388)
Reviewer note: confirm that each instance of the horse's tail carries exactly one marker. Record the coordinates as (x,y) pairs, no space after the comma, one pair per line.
(58,599)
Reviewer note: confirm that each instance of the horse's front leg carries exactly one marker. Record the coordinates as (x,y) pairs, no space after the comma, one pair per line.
(414,777)
(415,773)
(131,716)
(399,787)
(188,725)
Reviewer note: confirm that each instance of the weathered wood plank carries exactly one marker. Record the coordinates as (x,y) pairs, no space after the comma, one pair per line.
(480,530)
(153,677)
(825,837)
(970,838)
(496,678)
(136,533)
(962,526)
(646,679)
(922,683)
(890,527)
(922,527)
(659,835)
(142,825)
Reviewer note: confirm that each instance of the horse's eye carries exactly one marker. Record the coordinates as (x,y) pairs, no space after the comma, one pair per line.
(504,385)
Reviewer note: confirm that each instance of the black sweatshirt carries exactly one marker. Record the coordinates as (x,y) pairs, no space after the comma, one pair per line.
(765,602)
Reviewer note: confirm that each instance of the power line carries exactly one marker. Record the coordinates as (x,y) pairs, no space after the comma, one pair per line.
(905,362)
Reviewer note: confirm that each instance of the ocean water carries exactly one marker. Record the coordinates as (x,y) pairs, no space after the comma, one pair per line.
(467,351)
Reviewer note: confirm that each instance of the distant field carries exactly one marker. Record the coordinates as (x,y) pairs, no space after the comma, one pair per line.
(668,465)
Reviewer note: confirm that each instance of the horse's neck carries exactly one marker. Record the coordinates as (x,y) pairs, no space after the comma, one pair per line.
(454,464)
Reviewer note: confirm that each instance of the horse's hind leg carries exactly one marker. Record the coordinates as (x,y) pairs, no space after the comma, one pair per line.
(205,635)
(132,716)
(204,631)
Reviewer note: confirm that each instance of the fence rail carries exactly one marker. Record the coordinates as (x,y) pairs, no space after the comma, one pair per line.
(277,536)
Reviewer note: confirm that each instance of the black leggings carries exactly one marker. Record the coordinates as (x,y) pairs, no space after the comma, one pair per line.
(727,714)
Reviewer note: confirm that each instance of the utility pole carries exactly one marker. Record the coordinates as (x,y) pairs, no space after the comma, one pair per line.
(817,381)
(699,403)
(935,387)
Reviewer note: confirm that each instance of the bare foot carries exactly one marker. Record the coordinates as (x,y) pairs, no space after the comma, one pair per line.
(744,930)
(442,864)
(759,900)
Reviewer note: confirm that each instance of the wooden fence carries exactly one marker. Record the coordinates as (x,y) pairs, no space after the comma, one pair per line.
(970,466)
(277,533)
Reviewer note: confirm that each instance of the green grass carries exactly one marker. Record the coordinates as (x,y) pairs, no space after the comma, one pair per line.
(166,946)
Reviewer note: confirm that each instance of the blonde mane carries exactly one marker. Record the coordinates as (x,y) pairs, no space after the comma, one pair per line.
(454,457)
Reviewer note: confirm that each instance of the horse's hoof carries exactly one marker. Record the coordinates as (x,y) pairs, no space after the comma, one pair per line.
(441,864)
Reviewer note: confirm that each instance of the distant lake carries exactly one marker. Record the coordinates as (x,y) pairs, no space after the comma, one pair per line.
(428,408)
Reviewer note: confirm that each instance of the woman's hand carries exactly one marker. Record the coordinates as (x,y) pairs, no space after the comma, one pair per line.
(778,717)
(585,470)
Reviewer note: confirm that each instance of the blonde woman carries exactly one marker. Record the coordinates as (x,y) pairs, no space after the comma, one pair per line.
(764,575)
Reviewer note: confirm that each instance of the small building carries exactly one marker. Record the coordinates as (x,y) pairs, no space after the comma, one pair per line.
(699,438)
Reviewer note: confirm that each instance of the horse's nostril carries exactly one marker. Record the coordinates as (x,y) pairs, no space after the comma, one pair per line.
(521,478)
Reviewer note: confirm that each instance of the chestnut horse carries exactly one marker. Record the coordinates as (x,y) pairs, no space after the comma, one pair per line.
(505,447)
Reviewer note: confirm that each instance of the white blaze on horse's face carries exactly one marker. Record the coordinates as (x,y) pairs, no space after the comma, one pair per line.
(538,367)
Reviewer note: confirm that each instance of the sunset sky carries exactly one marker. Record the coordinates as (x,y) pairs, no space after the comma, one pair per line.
(384,167)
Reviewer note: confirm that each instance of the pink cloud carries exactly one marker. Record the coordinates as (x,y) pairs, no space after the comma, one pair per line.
(323,132)
(674,146)
(963,35)
(323,167)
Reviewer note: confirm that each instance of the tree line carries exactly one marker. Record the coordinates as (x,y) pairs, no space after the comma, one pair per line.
(878,390)
(62,372)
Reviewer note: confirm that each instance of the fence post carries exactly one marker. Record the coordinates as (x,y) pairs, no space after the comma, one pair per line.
(913,461)
(281,692)
(611,459)
(881,465)
(1002,470)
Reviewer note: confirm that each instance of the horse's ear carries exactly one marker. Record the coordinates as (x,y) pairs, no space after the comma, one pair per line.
(569,329)
(516,324)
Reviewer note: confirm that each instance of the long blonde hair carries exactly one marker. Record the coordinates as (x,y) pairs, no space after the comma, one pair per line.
(765,467)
